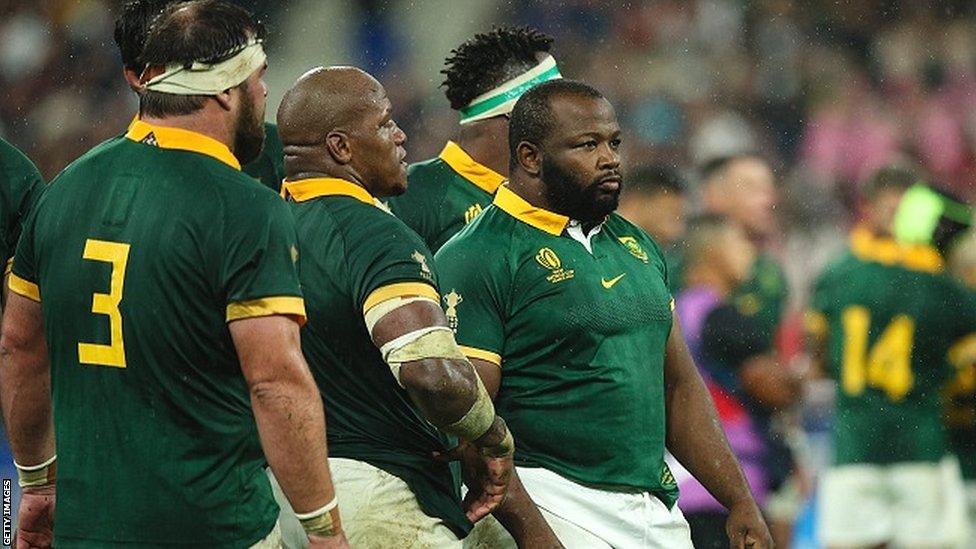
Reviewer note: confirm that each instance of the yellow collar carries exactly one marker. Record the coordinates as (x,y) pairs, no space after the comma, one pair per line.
(865,245)
(516,206)
(307,189)
(481,176)
(177,138)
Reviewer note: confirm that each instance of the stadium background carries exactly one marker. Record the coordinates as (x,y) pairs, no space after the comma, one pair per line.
(828,91)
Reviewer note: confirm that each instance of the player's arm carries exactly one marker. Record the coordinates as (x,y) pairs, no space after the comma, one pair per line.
(517,513)
(411,332)
(25,393)
(695,437)
(290,418)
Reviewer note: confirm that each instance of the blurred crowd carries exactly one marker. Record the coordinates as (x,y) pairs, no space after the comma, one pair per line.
(824,94)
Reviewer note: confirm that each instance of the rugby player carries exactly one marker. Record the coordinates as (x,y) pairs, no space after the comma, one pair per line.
(152,333)
(391,375)
(563,307)
(131,28)
(885,317)
(20,187)
(485,76)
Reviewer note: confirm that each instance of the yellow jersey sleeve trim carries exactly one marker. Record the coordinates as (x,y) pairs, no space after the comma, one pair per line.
(400,289)
(517,207)
(481,354)
(815,323)
(470,169)
(267,306)
(9,267)
(24,287)
(963,352)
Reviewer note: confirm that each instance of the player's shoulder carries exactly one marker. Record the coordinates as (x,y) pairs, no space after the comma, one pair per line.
(633,237)
(14,162)
(491,229)
(366,223)
(431,174)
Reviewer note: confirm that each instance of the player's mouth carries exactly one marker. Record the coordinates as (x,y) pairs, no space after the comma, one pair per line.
(610,183)
(402,155)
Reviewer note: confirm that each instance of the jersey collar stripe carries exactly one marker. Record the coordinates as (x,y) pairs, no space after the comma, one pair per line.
(516,206)
(307,189)
(867,247)
(461,162)
(480,354)
(23,287)
(185,140)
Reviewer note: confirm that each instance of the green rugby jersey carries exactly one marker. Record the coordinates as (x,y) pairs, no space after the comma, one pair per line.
(20,187)
(580,338)
(890,316)
(444,194)
(269,167)
(140,253)
(763,296)
(355,255)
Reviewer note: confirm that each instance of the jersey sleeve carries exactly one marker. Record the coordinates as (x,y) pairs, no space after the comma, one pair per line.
(386,261)
(732,337)
(22,185)
(259,271)
(474,297)
(24,279)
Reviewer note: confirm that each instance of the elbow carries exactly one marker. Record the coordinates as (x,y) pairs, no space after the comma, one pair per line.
(437,380)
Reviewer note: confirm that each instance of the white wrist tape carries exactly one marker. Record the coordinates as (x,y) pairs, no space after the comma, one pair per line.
(320,522)
(36,475)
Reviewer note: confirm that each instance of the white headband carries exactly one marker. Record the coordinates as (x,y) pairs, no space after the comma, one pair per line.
(501,100)
(204,79)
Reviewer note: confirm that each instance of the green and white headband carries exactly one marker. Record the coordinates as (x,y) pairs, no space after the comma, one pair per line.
(501,100)
(919,213)
(203,79)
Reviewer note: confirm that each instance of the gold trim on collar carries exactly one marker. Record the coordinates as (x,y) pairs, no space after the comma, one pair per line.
(516,206)
(481,176)
(886,251)
(307,189)
(177,138)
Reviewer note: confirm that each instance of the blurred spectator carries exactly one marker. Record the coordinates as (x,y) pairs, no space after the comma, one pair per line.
(736,361)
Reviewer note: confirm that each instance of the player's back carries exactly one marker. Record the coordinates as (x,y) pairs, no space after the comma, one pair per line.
(892,316)
(139,270)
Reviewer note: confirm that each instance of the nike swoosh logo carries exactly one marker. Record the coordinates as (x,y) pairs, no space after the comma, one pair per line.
(609,283)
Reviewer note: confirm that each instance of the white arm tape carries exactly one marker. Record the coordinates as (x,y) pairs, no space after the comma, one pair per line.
(383,308)
(320,511)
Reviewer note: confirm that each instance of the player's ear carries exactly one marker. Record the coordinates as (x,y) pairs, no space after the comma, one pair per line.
(224,98)
(337,143)
(529,157)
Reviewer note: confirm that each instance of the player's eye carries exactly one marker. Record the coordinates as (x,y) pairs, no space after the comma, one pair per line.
(615,143)
(588,145)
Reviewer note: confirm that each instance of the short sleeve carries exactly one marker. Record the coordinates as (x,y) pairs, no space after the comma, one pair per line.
(23,278)
(259,271)
(732,337)
(22,185)
(386,261)
(474,295)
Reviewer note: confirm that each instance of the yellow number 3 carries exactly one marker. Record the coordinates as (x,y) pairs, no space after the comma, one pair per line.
(113,354)
(888,366)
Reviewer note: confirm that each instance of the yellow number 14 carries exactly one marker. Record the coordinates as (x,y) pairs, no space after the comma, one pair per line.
(888,367)
(113,354)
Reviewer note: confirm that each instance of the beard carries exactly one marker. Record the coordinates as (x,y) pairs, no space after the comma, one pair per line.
(249,137)
(572,196)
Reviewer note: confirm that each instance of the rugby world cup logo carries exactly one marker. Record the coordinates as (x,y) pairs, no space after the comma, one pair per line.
(548,259)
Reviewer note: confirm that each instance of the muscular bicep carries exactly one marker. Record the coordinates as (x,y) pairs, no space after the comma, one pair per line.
(413,316)
(490,374)
(678,364)
(268,348)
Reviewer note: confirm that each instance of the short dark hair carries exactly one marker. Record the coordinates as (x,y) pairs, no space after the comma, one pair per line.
(656,179)
(890,178)
(719,164)
(485,61)
(205,31)
(132,28)
(532,119)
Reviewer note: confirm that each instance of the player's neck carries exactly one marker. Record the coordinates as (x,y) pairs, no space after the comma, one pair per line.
(212,125)
(531,190)
(486,142)
(705,276)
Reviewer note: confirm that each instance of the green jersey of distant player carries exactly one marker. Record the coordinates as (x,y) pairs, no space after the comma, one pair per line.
(571,331)
(890,316)
(157,443)
(354,254)
(20,186)
(269,168)
(444,194)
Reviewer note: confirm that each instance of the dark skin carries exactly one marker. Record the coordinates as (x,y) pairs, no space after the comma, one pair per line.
(584,140)
(337,122)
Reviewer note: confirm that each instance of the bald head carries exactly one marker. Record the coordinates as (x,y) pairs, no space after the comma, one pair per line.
(337,121)
(325,99)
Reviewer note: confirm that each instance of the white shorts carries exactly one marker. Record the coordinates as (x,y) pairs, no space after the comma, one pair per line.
(587,518)
(377,509)
(271,541)
(904,505)
(971,506)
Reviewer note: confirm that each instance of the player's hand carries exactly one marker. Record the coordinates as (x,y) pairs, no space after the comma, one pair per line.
(746,528)
(337,541)
(35,527)
(486,477)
